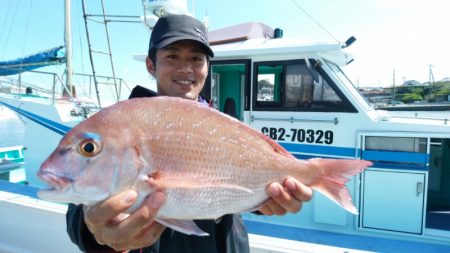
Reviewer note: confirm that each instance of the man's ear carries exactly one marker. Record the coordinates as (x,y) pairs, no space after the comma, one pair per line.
(150,66)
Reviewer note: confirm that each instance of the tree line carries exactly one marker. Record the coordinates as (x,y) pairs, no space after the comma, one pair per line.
(436,92)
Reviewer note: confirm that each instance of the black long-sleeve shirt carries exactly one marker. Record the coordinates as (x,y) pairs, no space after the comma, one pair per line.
(228,235)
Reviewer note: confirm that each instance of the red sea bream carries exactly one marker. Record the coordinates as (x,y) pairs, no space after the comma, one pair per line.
(207,163)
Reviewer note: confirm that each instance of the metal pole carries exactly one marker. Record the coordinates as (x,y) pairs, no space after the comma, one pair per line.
(393,85)
(109,53)
(54,89)
(144,7)
(20,82)
(430,82)
(90,54)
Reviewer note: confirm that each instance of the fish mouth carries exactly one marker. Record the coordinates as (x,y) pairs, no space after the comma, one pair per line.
(54,182)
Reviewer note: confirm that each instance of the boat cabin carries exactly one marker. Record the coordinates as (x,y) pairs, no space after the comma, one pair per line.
(297,94)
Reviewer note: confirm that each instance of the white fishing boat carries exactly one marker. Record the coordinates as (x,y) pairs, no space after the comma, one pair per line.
(51,109)
(296,93)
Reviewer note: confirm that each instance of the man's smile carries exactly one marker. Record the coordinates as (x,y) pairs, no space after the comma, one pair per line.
(185,82)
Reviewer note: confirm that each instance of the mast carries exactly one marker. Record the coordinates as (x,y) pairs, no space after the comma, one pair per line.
(68,43)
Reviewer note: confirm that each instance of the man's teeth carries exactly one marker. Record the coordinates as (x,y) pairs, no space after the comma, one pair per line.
(184,81)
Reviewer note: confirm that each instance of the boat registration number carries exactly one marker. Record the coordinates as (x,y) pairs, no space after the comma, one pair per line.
(299,135)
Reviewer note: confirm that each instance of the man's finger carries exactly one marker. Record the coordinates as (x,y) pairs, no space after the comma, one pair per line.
(298,190)
(276,208)
(266,210)
(103,212)
(143,217)
(282,197)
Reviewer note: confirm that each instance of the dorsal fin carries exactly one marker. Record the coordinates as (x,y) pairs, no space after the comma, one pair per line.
(276,147)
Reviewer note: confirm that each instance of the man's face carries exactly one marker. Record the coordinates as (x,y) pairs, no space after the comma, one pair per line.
(181,69)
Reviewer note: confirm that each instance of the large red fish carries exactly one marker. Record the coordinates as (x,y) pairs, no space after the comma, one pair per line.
(207,163)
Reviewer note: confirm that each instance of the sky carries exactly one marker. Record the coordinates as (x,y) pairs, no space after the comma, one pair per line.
(403,37)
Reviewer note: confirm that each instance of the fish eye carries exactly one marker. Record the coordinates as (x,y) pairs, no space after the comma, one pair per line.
(89,148)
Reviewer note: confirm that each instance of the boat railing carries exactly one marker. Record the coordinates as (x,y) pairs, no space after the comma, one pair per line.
(334,120)
(19,86)
(32,84)
(416,116)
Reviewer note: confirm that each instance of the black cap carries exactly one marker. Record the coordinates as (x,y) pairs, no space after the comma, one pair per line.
(172,28)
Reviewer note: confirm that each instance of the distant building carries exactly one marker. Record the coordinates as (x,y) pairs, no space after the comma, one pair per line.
(376,95)
(412,83)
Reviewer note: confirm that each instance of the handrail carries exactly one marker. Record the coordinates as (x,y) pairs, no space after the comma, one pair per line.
(420,117)
(292,120)
(18,85)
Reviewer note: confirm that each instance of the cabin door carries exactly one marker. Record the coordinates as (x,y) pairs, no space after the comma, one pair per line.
(438,204)
(228,83)
(393,193)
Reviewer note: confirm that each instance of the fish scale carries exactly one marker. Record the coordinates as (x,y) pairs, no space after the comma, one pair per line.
(207,163)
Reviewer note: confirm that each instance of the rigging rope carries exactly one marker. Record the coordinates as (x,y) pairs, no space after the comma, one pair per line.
(315,21)
(26,29)
(10,28)
(5,19)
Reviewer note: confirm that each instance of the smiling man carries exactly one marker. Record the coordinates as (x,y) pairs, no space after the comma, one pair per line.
(180,69)
(178,58)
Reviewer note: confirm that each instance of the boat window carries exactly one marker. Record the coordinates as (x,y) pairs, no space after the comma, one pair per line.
(290,86)
(405,144)
(396,150)
(351,87)
(268,86)
(301,90)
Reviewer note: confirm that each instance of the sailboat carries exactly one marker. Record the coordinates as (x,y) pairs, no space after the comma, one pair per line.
(47,112)
(47,57)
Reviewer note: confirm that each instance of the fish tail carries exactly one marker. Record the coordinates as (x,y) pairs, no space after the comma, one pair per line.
(333,174)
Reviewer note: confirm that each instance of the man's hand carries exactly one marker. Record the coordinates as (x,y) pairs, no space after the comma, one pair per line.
(288,197)
(111,227)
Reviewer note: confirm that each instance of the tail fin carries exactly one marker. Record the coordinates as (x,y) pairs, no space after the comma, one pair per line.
(334,174)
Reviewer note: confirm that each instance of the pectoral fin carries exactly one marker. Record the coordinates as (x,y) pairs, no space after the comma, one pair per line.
(183,226)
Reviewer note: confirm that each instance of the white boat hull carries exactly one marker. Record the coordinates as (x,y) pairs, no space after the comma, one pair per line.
(45,124)
(32,225)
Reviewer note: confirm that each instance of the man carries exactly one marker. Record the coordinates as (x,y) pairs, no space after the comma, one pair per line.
(178,58)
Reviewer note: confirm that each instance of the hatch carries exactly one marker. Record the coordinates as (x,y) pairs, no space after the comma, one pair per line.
(407,190)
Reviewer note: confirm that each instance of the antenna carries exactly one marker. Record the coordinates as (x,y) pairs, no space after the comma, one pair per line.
(315,21)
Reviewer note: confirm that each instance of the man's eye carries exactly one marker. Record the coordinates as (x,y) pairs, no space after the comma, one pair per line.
(198,58)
